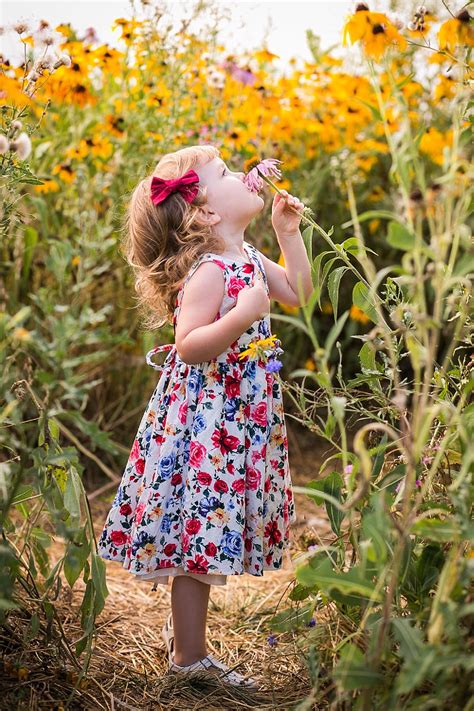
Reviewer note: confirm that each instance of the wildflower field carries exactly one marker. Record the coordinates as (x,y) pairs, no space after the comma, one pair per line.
(377,367)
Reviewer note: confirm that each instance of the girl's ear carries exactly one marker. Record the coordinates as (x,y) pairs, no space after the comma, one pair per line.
(206,216)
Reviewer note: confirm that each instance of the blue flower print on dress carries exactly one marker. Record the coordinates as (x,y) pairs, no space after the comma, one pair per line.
(165,524)
(199,423)
(231,543)
(167,465)
(195,380)
(231,408)
(209,504)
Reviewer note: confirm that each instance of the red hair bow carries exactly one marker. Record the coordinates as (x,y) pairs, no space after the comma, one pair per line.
(161,188)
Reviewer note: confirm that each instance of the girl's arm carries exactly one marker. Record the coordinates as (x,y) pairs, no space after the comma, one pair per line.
(283,282)
(198,337)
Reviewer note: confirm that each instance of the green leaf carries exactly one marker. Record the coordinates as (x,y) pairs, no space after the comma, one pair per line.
(353,672)
(360,297)
(98,578)
(75,559)
(399,237)
(334,280)
(307,235)
(72,494)
(370,215)
(352,586)
(437,529)
(334,332)
(332,486)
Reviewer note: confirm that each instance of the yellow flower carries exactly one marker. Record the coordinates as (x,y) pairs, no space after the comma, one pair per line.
(374,30)
(434,142)
(264,55)
(310,364)
(65,172)
(445,88)
(49,186)
(21,334)
(357,314)
(455,32)
(373,226)
(254,348)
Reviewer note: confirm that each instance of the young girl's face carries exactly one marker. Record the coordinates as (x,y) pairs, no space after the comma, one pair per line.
(227,194)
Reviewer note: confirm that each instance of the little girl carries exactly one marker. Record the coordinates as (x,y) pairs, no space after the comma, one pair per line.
(206,491)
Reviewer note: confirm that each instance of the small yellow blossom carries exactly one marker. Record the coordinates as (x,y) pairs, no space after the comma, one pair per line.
(21,334)
(356,314)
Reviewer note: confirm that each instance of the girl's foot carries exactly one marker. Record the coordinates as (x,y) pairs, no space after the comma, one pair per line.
(212,665)
(208,663)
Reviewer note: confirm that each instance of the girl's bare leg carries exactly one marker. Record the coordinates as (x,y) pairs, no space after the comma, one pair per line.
(189,601)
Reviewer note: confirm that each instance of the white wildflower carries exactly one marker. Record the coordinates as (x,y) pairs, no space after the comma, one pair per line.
(22,146)
(21,27)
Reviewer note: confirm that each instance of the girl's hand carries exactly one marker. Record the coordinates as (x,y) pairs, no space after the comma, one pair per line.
(286,214)
(254,300)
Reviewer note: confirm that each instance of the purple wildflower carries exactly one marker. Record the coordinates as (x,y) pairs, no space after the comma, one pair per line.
(273,365)
(266,167)
(312,622)
(272,640)
(348,469)
(418,483)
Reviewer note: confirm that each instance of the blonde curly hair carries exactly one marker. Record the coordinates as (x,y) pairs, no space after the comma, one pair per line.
(161,242)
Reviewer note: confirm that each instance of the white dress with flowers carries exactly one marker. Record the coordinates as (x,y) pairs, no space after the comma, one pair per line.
(207,490)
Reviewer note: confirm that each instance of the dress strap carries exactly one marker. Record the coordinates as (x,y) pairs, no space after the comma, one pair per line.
(158,349)
(261,269)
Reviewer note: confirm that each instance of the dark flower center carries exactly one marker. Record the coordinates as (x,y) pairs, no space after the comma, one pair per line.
(416,195)
(361,6)
(463,16)
(377,29)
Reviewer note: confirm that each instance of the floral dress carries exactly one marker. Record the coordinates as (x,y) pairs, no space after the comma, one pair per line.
(207,489)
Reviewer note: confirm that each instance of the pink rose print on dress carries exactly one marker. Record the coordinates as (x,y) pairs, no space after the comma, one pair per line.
(198,565)
(192,526)
(235,285)
(239,485)
(139,511)
(259,414)
(135,451)
(253,477)
(226,442)
(197,452)
(182,412)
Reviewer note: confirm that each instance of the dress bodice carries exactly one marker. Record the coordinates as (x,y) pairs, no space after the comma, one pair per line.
(237,273)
